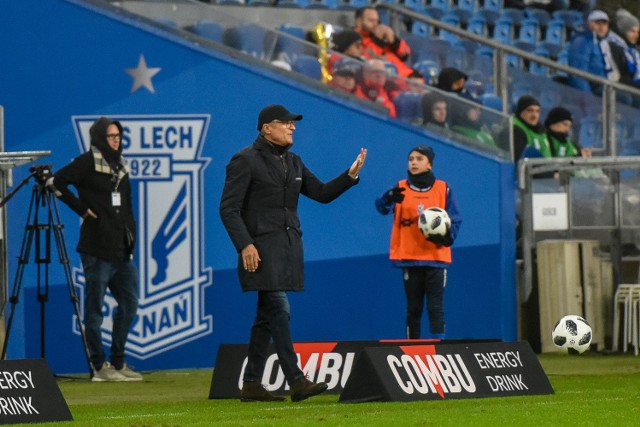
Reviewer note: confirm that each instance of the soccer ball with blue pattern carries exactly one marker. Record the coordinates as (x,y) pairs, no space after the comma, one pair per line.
(572,334)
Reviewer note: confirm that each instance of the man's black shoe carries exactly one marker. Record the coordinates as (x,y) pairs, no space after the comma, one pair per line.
(255,392)
(302,389)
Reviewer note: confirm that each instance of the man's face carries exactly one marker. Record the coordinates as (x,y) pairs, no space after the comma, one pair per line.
(439,112)
(369,21)
(561,127)
(113,137)
(346,83)
(531,115)
(374,75)
(355,49)
(600,27)
(280,132)
(418,163)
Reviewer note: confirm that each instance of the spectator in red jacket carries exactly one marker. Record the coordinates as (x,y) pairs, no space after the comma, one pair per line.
(379,41)
(372,85)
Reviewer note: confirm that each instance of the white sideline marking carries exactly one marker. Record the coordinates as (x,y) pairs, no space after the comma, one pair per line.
(121,417)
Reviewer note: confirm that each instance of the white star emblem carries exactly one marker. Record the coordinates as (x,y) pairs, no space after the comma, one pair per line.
(142,75)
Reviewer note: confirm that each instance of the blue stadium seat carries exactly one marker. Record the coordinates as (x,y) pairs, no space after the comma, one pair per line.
(491,10)
(351,4)
(421,29)
(429,69)
(465,9)
(540,15)
(307,65)
(322,4)
(453,20)
(529,33)
(483,60)
(537,68)
(169,22)
(590,135)
(571,20)
(291,43)
(555,37)
(477,25)
(248,38)
(209,29)
(433,48)
(457,57)
(503,30)
(409,106)
(491,100)
(445,5)
(293,3)
(434,12)
(415,5)
(516,15)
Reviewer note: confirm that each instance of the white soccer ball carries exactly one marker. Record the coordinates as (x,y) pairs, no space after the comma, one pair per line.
(434,221)
(572,334)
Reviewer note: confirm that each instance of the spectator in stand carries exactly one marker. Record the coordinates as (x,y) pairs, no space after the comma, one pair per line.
(434,110)
(597,50)
(465,120)
(348,43)
(628,28)
(379,41)
(372,85)
(528,131)
(453,80)
(344,76)
(558,124)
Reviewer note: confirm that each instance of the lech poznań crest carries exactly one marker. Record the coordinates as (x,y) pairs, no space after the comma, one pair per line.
(163,153)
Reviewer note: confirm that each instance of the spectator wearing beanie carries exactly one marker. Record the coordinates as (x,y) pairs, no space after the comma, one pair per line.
(348,45)
(628,28)
(528,132)
(558,124)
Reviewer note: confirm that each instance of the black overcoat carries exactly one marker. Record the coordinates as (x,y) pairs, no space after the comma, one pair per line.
(259,205)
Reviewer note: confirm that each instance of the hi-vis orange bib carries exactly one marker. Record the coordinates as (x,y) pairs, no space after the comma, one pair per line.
(407,241)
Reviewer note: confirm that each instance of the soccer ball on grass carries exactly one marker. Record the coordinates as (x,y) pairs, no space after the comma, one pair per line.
(572,334)
(434,221)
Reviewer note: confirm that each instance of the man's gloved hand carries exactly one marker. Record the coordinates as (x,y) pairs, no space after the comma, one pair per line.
(394,195)
(441,240)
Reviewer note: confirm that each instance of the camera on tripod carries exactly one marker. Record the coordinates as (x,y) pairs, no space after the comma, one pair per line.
(41,173)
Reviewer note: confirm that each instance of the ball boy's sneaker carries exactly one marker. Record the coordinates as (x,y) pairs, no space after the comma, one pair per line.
(107,373)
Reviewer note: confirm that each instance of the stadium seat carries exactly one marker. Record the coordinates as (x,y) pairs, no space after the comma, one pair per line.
(540,15)
(433,48)
(322,4)
(429,69)
(445,5)
(537,68)
(248,38)
(516,15)
(590,135)
(491,10)
(291,43)
(467,8)
(209,29)
(491,100)
(351,4)
(307,65)
(570,19)
(529,34)
(169,22)
(453,20)
(415,5)
(409,107)
(555,37)
(477,25)
(503,30)
(293,3)
(483,60)
(434,12)
(421,29)
(457,57)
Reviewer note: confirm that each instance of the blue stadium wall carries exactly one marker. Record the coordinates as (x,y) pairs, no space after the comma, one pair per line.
(64,63)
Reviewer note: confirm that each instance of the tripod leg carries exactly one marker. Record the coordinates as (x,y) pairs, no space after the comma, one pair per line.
(23,260)
(57,227)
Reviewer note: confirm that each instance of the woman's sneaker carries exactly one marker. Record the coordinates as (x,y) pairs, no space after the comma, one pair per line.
(108,373)
(128,373)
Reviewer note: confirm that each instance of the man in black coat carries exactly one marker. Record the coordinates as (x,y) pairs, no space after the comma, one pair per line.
(259,208)
(107,241)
